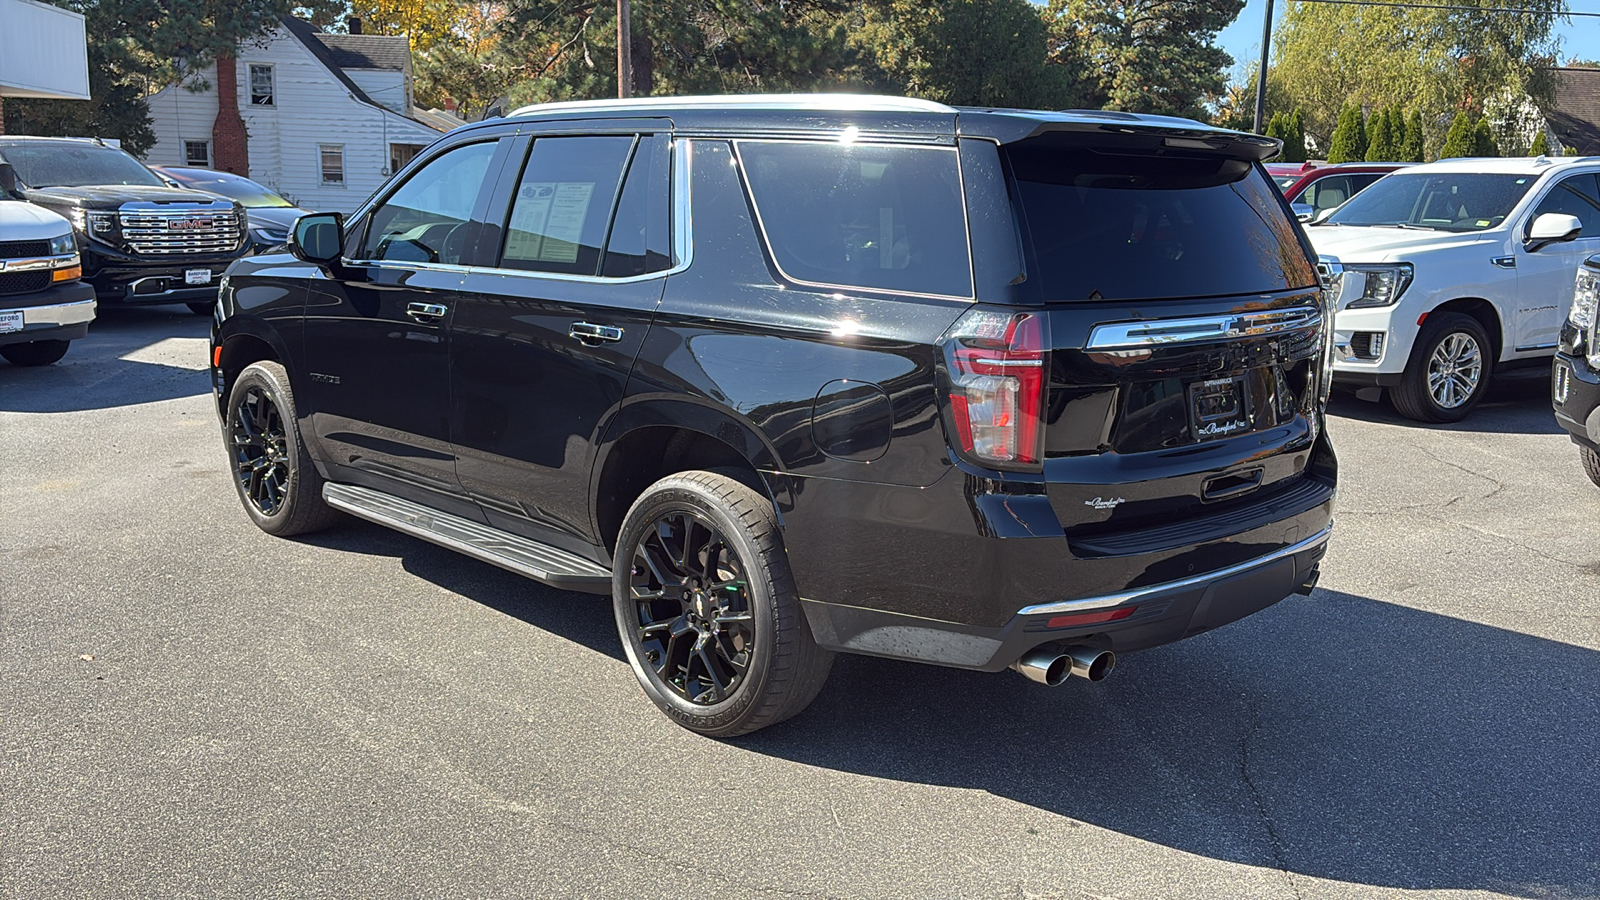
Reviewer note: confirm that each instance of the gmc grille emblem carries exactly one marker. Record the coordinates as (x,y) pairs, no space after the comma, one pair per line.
(188,224)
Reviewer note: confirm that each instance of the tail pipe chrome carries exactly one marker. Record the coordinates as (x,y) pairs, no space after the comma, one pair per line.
(1052,664)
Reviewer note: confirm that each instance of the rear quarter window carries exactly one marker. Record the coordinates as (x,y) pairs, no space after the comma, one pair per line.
(1126,226)
(880,217)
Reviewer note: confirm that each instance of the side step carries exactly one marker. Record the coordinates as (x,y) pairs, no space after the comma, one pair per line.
(557,568)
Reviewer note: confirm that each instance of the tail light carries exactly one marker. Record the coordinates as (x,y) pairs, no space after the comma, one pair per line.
(995,381)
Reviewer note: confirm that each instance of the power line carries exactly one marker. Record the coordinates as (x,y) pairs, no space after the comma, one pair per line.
(1495,9)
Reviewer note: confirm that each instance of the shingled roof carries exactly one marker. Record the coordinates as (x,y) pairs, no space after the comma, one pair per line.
(1575,118)
(367,51)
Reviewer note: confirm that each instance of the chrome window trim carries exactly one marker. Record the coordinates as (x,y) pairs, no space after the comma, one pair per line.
(35,263)
(1161,332)
(1105,600)
(682,240)
(766,241)
(796,102)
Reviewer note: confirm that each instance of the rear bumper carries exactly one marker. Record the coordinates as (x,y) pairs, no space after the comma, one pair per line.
(1129,620)
(60,313)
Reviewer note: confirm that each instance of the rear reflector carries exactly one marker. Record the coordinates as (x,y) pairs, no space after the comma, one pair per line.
(1091,618)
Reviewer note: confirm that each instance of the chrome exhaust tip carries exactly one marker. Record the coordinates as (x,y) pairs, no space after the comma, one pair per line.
(1046,665)
(1052,664)
(1091,663)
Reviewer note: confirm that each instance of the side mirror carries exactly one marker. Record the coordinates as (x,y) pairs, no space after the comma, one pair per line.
(1323,215)
(8,180)
(1302,211)
(1552,228)
(318,238)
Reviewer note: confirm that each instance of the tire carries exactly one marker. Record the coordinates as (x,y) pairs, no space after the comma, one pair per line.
(1591,464)
(687,642)
(34,353)
(272,472)
(202,309)
(1448,372)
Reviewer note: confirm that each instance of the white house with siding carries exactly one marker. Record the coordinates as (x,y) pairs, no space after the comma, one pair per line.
(326,117)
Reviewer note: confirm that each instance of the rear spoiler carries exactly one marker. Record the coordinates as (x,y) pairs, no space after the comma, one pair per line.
(1136,131)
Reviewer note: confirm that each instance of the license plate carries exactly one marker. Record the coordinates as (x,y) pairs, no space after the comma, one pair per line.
(196,276)
(1218,408)
(10,321)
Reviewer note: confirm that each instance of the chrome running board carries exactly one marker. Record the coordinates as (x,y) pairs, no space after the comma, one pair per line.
(541,562)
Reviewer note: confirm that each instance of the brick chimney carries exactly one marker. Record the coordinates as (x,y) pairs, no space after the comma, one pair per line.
(230,149)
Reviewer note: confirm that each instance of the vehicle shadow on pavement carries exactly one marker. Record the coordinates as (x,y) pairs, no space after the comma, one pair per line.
(1518,402)
(131,356)
(1337,737)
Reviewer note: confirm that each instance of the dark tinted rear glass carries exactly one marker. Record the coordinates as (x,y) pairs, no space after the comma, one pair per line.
(884,217)
(1141,227)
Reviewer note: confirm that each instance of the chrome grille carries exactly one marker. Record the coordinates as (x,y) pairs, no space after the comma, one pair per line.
(186,231)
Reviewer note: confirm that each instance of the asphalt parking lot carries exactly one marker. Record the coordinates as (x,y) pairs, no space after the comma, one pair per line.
(193,708)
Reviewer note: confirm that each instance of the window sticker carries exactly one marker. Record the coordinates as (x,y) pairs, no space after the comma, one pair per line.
(547,222)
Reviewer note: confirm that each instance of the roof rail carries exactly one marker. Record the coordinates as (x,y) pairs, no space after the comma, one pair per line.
(824,102)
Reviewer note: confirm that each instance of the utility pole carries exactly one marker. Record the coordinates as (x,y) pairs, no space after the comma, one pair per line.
(1261,72)
(625,50)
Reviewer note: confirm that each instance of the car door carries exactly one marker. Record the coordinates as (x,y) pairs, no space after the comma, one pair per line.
(376,337)
(545,335)
(1545,277)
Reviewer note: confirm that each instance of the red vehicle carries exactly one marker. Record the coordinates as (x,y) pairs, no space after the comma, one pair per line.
(1312,187)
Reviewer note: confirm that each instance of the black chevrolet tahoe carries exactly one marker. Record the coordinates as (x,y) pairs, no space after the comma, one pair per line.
(1575,373)
(788,376)
(141,241)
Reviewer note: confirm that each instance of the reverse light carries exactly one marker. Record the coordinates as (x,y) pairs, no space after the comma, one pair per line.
(1383,284)
(995,379)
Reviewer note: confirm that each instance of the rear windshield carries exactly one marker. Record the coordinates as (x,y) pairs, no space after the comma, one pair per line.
(1115,226)
(856,215)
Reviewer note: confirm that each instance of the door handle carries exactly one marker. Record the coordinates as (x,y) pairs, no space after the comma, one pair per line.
(595,334)
(426,313)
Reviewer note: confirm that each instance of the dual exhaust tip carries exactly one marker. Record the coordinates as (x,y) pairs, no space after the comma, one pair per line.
(1052,664)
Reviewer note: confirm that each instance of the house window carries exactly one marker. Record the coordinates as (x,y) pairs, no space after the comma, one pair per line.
(332,163)
(197,153)
(261,93)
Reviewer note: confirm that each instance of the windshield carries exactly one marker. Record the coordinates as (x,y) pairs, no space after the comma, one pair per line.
(249,194)
(75,164)
(1454,201)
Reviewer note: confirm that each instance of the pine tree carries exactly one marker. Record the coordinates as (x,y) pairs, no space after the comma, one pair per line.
(1361,134)
(1483,143)
(1296,150)
(1347,137)
(1411,149)
(1381,148)
(1541,145)
(1275,126)
(1459,140)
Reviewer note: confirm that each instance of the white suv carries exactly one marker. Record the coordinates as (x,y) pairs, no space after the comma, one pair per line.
(1453,268)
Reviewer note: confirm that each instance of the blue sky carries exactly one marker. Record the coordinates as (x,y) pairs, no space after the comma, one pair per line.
(1242,39)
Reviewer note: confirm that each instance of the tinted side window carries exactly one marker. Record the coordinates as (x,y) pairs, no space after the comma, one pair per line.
(1574,196)
(426,219)
(563,204)
(638,243)
(1116,226)
(860,215)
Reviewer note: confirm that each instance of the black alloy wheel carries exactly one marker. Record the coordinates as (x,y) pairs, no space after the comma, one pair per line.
(707,609)
(260,451)
(1591,464)
(695,627)
(272,471)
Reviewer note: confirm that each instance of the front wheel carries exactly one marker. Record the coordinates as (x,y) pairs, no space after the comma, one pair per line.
(707,609)
(1591,464)
(34,353)
(1449,370)
(272,471)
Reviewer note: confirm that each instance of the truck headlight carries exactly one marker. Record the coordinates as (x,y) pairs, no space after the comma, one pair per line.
(63,244)
(1585,297)
(1383,284)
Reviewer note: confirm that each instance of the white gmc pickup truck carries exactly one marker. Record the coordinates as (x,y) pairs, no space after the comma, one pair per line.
(1453,269)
